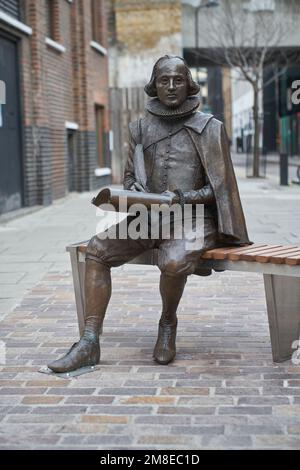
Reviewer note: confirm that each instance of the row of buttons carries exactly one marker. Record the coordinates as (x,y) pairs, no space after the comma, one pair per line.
(166,158)
(165,178)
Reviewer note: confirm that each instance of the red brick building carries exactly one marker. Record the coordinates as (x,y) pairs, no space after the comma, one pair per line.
(54,130)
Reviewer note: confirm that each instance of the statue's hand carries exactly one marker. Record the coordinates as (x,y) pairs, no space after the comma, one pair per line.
(174,197)
(137,187)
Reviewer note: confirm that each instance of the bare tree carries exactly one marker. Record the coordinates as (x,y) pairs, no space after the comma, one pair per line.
(248,39)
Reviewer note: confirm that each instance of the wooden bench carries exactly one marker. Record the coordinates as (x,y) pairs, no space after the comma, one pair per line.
(280,266)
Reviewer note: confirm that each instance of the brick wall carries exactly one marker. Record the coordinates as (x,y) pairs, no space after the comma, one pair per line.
(140,32)
(59,86)
(143,24)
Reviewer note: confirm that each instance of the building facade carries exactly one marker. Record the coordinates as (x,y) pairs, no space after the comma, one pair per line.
(204,39)
(140,31)
(54,125)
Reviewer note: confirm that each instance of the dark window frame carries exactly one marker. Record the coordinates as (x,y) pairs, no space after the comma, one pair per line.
(12,8)
(52,16)
(97,20)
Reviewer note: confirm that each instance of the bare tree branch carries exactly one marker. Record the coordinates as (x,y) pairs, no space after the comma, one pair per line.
(248,41)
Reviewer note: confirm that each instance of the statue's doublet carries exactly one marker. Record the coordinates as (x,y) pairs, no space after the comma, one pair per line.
(171,158)
(187,152)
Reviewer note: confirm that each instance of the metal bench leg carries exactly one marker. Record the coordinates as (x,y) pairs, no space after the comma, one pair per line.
(283,305)
(78,269)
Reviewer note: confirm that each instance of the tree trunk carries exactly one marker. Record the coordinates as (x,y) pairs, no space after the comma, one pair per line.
(256,135)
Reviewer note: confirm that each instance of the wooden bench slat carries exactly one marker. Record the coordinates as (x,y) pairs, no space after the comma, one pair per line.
(285,251)
(238,255)
(280,259)
(293,260)
(250,256)
(221,253)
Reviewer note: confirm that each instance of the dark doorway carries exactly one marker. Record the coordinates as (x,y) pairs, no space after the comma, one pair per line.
(100,136)
(71,136)
(11,193)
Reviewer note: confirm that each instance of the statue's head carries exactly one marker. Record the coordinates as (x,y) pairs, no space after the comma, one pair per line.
(171,81)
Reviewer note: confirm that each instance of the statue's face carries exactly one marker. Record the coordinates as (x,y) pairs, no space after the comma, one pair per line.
(171,83)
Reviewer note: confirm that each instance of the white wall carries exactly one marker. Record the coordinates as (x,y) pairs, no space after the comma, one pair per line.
(242,103)
(129,69)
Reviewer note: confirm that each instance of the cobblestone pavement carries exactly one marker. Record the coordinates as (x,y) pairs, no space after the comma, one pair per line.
(223,390)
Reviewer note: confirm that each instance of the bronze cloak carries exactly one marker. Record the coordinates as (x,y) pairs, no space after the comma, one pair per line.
(209,137)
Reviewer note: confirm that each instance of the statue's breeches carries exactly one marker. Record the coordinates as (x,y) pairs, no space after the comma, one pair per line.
(176,256)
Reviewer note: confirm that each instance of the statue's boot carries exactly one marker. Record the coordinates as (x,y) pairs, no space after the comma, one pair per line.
(171,289)
(82,354)
(165,348)
(97,294)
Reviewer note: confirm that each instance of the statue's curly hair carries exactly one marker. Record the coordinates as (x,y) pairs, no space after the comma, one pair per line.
(150,88)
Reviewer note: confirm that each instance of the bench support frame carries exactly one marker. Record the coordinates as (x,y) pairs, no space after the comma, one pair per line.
(282,290)
(283,306)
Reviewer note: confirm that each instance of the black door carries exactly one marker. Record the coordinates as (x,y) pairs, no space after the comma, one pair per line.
(10,130)
(71,136)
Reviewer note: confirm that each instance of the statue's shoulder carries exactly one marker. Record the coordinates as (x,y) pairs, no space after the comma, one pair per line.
(200,121)
(136,127)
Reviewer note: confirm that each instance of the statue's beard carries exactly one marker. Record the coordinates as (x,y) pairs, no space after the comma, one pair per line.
(189,106)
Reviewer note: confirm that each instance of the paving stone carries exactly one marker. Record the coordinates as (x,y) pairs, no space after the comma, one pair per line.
(120,410)
(184,391)
(109,439)
(22,391)
(164,440)
(127,391)
(104,419)
(41,400)
(205,401)
(157,400)
(207,410)
(263,400)
(286,410)
(46,418)
(277,442)
(254,429)
(249,410)
(193,430)
(293,429)
(163,420)
(64,409)
(79,428)
(71,391)
(89,400)
(237,391)
(227,442)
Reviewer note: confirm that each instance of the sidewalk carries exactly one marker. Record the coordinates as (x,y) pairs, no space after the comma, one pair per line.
(223,390)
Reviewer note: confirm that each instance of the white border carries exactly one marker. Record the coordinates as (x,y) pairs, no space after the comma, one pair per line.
(71,125)
(102,171)
(55,45)
(95,45)
(15,23)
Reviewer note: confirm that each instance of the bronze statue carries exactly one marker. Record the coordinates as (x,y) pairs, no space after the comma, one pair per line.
(186,156)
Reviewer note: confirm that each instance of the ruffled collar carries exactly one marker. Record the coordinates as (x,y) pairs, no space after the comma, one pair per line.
(156,107)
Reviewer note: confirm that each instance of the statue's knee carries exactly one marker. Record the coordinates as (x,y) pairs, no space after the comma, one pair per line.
(96,247)
(177,268)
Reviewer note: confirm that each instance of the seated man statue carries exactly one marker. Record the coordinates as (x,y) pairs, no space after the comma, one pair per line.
(186,155)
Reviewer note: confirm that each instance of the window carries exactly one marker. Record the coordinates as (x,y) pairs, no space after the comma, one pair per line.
(11,7)
(52,19)
(97,20)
